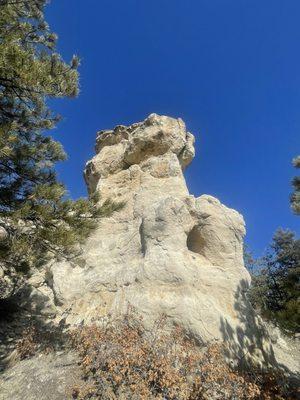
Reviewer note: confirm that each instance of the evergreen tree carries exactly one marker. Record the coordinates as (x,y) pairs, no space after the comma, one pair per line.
(36,218)
(295,197)
(276,286)
(249,260)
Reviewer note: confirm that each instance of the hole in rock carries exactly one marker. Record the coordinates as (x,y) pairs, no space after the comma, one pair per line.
(195,241)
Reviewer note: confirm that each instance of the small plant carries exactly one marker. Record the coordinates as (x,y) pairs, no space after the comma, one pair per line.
(42,338)
(27,346)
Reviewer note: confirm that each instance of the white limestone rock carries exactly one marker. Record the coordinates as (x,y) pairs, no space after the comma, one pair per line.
(165,252)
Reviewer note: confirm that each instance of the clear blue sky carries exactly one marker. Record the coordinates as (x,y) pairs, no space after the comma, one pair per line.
(229,68)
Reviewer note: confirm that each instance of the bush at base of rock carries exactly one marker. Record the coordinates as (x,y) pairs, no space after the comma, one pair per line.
(123,361)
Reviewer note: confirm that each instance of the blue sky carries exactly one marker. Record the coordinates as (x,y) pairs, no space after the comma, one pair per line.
(229,68)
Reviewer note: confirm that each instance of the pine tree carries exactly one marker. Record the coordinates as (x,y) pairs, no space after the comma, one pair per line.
(249,260)
(36,218)
(295,197)
(276,287)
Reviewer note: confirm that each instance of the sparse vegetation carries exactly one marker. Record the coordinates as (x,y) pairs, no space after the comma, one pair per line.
(39,337)
(125,361)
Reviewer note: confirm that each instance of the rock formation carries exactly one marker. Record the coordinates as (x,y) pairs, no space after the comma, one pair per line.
(166,252)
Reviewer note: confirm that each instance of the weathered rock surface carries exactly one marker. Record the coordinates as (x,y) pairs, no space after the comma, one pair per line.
(166,252)
(44,377)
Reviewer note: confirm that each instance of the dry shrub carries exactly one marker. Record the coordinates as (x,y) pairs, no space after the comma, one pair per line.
(27,345)
(124,361)
(40,338)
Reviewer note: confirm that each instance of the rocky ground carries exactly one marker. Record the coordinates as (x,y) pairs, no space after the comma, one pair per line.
(42,377)
(45,375)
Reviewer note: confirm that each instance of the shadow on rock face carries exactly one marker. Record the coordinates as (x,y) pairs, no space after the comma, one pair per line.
(29,331)
(36,360)
(195,240)
(249,341)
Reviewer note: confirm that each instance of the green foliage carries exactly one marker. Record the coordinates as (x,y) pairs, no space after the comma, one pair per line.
(249,261)
(295,197)
(36,217)
(276,287)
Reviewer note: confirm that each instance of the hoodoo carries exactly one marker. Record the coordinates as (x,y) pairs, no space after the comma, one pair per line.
(165,252)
